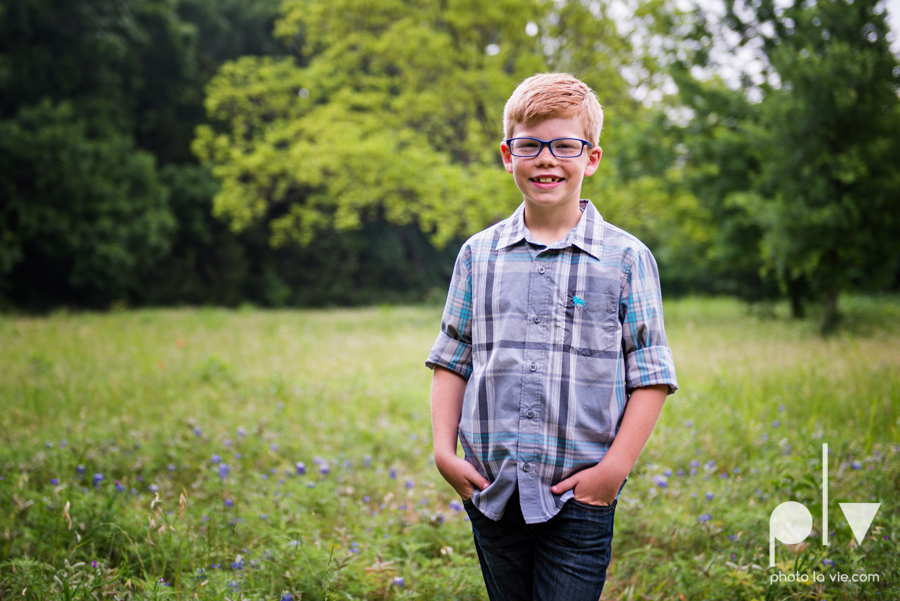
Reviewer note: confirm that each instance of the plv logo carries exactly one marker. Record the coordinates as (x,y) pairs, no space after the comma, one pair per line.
(791,522)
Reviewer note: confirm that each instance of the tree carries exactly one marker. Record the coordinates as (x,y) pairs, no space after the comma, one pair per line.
(390,110)
(816,134)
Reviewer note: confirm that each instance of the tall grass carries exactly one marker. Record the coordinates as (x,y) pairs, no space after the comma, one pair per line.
(116,427)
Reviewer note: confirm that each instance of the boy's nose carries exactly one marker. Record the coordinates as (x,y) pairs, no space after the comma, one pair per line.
(545,156)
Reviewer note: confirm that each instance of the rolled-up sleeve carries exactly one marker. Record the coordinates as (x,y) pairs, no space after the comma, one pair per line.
(453,347)
(648,358)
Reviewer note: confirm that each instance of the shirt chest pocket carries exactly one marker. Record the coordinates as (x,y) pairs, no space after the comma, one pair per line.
(591,322)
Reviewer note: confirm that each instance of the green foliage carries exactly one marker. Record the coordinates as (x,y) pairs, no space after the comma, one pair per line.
(391,113)
(102,217)
(797,166)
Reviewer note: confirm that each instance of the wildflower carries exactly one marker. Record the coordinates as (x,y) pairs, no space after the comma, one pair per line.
(366,499)
(119,486)
(229,503)
(398,581)
(704,518)
(154,488)
(710,496)
(410,483)
(98,478)
(737,470)
(392,473)
(48,444)
(237,565)
(54,481)
(80,469)
(301,468)
(273,447)
(241,431)
(234,585)
(661,481)
(827,562)
(238,455)
(94,564)
(324,469)
(776,423)
(228,442)
(694,495)
(688,423)
(765,436)
(310,484)
(667,473)
(456,505)
(163,582)
(215,459)
(198,431)
(710,464)
(223,470)
(856,465)
(348,464)
(286,597)
(264,516)
(695,463)
(367,461)
(724,475)
(680,472)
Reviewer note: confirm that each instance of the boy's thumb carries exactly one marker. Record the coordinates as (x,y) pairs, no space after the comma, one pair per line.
(561,487)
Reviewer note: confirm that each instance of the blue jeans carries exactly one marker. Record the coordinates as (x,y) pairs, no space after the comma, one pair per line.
(563,559)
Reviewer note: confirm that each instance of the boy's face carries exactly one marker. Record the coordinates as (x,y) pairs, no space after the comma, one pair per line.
(545,180)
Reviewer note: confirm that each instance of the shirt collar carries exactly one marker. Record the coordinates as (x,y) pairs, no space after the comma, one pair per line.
(587,235)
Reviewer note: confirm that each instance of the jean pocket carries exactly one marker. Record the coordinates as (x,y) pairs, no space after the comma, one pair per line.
(594,508)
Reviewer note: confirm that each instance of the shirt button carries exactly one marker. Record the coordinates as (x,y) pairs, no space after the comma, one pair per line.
(537,319)
(541,270)
(526,467)
(529,414)
(534,367)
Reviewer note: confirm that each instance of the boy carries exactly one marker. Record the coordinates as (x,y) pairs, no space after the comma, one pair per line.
(551,365)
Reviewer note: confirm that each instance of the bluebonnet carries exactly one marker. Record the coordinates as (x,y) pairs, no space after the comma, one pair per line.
(98,478)
(398,581)
(229,503)
(661,481)
(223,470)
(301,468)
(215,459)
(704,518)
(197,431)
(54,481)
(710,496)
(80,469)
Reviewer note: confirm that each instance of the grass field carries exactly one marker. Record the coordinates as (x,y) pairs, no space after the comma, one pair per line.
(214,454)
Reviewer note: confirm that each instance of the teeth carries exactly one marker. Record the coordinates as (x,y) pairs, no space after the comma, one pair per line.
(547,180)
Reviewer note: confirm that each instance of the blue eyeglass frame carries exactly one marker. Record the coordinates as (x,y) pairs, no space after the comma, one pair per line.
(546,143)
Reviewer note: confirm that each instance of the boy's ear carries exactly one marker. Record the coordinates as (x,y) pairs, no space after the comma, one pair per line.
(507,157)
(593,161)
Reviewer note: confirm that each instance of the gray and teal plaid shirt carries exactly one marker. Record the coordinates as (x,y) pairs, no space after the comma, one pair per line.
(552,339)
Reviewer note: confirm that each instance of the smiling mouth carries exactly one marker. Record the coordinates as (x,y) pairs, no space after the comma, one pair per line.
(546,180)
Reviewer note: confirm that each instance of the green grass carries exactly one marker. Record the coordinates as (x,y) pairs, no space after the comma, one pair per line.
(148,398)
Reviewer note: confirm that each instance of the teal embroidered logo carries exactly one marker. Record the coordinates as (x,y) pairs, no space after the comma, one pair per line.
(579,302)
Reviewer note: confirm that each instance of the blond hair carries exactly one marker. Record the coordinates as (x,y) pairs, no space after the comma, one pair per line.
(550,96)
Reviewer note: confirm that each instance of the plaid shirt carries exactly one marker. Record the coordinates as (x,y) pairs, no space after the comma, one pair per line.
(552,339)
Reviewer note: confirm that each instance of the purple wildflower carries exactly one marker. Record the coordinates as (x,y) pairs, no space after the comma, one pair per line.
(98,479)
(198,431)
(301,468)
(229,503)
(398,581)
(704,518)
(710,496)
(661,481)
(80,469)
(456,505)
(54,481)
(223,470)
(215,459)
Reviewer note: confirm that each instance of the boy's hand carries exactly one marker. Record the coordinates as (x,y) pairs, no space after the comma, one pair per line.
(597,485)
(461,475)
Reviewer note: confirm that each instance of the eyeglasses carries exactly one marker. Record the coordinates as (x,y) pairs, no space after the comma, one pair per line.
(561,148)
